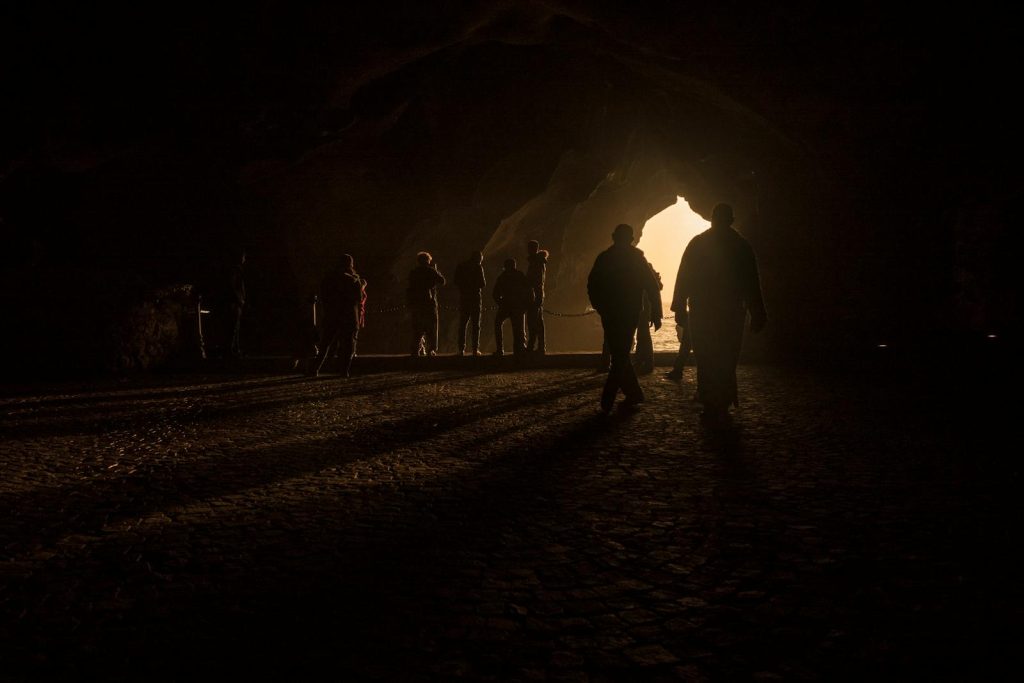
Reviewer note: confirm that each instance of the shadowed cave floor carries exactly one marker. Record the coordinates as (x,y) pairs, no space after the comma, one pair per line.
(445,525)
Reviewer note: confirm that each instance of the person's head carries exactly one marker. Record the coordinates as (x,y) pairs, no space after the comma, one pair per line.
(347,262)
(423,258)
(623,234)
(477,257)
(532,246)
(510,264)
(544,254)
(721,216)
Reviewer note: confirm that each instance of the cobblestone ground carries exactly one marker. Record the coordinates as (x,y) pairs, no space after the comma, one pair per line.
(449,525)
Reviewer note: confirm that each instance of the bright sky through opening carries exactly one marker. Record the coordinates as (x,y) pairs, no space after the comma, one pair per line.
(665,236)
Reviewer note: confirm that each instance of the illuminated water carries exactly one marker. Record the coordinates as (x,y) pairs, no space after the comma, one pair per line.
(665,339)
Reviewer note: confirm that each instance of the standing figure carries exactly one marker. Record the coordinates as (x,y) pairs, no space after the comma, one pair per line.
(514,295)
(620,278)
(235,306)
(683,335)
(644,342)
(469,278)
(343,297)
(421,295)
(719,283)
(536,273)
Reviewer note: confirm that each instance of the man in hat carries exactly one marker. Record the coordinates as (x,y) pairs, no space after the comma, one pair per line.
(718,282)
(617,284)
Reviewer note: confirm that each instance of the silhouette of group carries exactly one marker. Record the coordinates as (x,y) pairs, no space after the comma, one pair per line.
(717,287)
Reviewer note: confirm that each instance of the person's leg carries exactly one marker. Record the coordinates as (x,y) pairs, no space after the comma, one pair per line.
(618,335)
(347,340)
(499,342)
(644,348)
(330,339)
(474,319)
(620,344)
(432,331)
(676,373)
(611,384)
(541,337)
(531,329)
(519,332)
(464,316)
(417,331)
(684,354)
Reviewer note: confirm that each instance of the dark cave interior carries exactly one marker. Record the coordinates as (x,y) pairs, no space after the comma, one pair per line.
(863,149)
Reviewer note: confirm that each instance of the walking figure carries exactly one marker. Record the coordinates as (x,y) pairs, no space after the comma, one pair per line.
(644,342)
(514,295)
(718,282)
(343,297)
(421,295)
(469,278)
(620,278)
(536,273)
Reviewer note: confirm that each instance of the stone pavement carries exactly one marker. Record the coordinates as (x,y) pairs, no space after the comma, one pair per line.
(448,525)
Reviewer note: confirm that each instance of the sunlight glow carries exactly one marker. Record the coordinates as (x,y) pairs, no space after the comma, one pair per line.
(664,239)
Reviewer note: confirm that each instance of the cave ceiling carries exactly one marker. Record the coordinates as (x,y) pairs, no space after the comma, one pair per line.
(387,127)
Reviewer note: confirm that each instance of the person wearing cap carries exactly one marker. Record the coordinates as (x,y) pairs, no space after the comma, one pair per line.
(717,286)
(617,284)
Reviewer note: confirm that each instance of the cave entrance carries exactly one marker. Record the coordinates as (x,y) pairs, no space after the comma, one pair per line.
(664,238)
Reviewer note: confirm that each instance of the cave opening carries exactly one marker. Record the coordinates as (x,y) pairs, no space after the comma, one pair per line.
(665,236)
(663,239)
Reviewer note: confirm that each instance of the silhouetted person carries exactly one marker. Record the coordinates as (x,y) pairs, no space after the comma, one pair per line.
(343,300)
(536,273)
(719,283)
(644,342)
(236,304)
(620,278)
(469,278)
(421,295)
(683,335)
(514,295)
